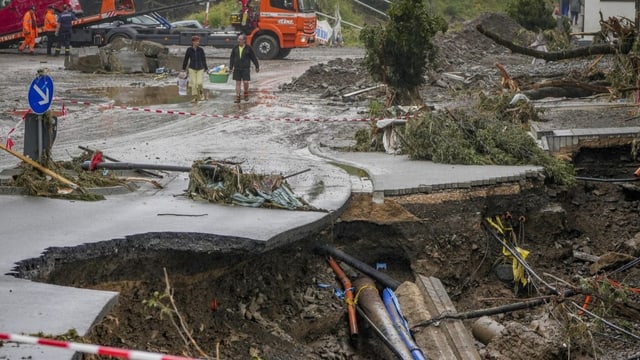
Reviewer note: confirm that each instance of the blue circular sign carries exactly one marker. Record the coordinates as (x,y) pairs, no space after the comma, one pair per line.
(40,94)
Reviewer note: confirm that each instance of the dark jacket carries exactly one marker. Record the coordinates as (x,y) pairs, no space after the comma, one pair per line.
(244,62)
(195,58)
(65,21)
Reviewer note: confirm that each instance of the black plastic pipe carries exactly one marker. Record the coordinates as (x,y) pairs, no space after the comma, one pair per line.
(384,279)
(133,166)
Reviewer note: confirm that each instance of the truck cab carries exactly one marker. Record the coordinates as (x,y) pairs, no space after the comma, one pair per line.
(274,27)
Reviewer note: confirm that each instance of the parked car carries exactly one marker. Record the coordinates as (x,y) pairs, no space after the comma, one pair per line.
(190,24)
(141,20)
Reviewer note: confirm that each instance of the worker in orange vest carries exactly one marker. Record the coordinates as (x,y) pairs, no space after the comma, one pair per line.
(29,30)
(50,26)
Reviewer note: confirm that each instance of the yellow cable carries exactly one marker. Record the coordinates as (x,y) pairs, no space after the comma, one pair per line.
(355,298)
(517,268)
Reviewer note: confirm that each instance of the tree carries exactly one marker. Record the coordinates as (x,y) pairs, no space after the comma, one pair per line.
(399,53)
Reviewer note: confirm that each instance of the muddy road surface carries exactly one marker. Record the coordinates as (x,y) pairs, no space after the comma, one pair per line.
(110,112)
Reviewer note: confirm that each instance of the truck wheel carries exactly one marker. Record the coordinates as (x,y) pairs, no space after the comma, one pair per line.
(266,47)
(118,36)
(284,53)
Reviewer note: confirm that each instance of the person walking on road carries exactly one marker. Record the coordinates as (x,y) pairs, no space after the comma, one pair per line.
(240,65)
(50,27)
(196,61)
(64,30)
(29,30)
(574,9)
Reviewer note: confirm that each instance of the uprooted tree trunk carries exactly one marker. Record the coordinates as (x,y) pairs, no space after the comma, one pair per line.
(551,88)
(562,88)
(626,76)
(623,48)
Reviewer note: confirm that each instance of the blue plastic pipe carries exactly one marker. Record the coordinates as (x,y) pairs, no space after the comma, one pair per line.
(400,323)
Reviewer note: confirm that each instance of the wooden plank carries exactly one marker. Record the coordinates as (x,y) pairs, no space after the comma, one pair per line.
(418,308)
(438,347)
(459,340)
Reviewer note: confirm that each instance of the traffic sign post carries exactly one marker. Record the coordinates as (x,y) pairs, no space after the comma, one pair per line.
(40,94)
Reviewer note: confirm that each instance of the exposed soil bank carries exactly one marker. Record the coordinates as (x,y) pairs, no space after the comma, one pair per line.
(273,303)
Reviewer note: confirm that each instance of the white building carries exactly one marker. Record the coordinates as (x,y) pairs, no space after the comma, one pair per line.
(592,9)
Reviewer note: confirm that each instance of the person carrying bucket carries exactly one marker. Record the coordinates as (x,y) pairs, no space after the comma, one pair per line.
(196,61)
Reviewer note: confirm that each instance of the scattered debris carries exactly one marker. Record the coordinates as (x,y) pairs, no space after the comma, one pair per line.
(220,183)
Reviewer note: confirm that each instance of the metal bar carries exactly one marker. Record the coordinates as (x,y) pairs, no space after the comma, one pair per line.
(116,160)
(134,166)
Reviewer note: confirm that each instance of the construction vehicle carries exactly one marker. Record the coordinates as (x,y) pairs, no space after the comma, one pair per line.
(272,27)
(12,11)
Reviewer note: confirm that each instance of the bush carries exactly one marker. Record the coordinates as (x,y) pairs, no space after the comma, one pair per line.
(533,15)
(479,139)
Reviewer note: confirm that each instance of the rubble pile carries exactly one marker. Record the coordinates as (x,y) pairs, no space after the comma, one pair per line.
(222,183)
(334,78)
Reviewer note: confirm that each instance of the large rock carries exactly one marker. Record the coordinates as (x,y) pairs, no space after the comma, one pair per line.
(122,56)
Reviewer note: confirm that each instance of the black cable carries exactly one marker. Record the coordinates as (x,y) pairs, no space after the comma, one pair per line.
(607,180)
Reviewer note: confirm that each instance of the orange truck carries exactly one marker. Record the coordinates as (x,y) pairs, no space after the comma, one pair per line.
(273,27)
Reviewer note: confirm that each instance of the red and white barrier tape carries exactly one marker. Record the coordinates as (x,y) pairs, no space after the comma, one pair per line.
(9,143)
(90,349)
(219,116)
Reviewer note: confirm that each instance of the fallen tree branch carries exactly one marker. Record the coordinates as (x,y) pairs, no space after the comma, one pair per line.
(43,169)
(507,81)
(556,55)
(570,84)
(183,329)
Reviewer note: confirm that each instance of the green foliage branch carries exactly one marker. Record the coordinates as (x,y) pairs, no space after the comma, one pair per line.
(478,139)
(399,53)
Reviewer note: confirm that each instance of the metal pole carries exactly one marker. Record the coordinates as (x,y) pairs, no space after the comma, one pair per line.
(371,8)
(133,166)
(342,21)
(206,16)
(40,138)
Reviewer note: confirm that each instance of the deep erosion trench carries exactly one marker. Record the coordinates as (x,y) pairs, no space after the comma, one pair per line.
(245,302)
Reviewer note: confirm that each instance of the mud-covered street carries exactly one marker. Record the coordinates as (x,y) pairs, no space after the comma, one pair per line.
(95,118)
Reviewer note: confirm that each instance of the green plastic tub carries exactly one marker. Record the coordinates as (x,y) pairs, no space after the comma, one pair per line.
(218,78)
